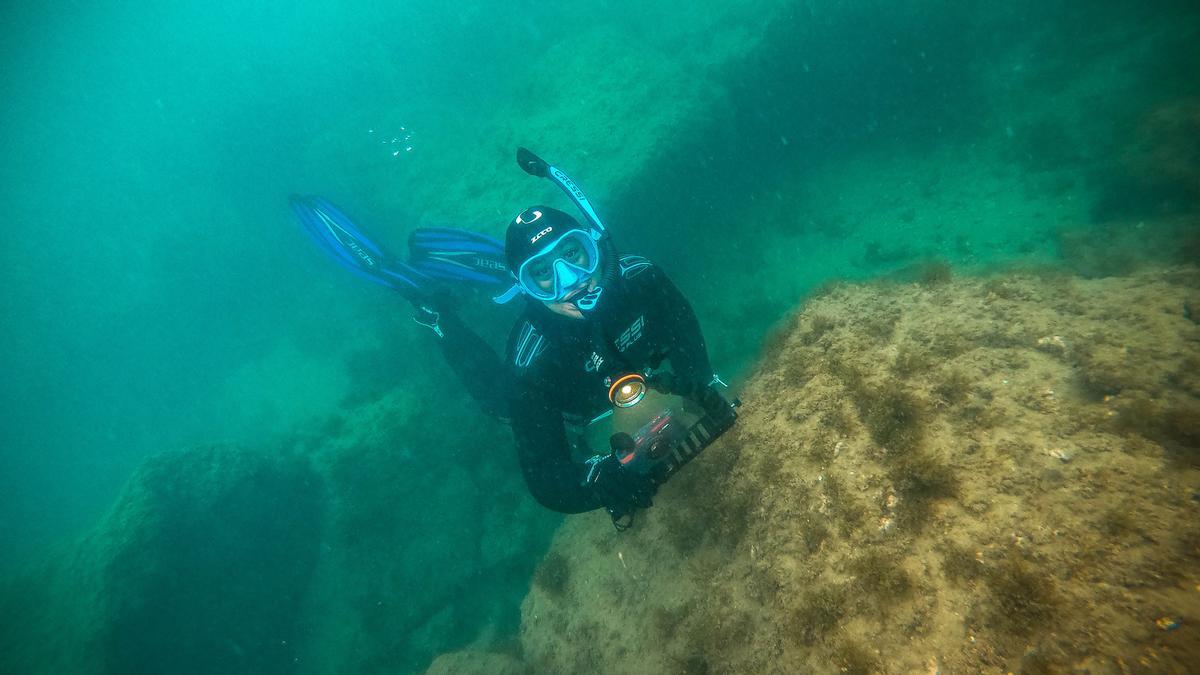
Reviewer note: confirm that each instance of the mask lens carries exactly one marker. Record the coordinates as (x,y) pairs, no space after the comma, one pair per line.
(540,271)
(573,256)
(571,251)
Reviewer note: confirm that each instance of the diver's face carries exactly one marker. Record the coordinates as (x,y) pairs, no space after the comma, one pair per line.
(542,270)
(567,307)
(561,268)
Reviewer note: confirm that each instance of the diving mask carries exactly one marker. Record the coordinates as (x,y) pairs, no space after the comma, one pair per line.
(562,266)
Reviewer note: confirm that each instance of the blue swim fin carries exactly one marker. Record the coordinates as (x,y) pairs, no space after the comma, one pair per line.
(458,255)
(346,243)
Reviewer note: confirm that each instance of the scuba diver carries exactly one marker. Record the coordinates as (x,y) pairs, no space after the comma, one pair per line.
(594,333)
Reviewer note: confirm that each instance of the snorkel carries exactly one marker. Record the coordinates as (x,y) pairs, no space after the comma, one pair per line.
(595,240)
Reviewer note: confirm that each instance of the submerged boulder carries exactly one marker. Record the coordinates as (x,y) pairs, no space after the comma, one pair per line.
(203,565)
(372,547)
(974,475)
(209,556)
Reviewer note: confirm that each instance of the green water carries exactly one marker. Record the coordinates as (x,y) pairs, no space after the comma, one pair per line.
(157,295)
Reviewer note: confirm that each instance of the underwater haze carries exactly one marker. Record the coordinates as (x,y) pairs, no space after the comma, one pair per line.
(945,252)
(153,299)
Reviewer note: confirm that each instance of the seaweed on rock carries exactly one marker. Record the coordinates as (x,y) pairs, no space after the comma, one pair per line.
(554,574)
(894,416)
(879,574)
(823,547)
(921,479)
(1023,598)
(817,613)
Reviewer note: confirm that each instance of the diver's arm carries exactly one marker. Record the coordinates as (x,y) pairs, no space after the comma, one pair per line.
(545,455)
(474,362)
(677,329)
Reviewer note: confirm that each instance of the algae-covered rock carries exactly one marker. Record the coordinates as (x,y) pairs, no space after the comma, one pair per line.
(211,554)
(640,88)
(477,663)
(948,495)
(203,565)
(372,549)
(430,542)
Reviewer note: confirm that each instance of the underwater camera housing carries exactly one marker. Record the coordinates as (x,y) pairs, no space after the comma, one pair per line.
(671,439)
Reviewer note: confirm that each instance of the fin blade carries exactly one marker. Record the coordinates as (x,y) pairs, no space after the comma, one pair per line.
(349,245)
(458,255)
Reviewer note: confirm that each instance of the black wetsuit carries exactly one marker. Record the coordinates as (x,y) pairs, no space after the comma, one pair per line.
(553,375)
(559,365)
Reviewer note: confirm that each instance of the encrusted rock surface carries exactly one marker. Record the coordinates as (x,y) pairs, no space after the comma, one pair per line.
(917,484)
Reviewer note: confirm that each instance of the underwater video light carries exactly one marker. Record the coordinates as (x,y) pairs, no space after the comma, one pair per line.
(626,391)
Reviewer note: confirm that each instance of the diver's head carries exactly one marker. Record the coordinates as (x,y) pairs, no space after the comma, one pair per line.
(555,259)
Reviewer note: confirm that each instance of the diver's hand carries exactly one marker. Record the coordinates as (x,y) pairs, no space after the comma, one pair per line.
(428,317)
(699,398)
(619,490)
(715,405)
(428,308)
